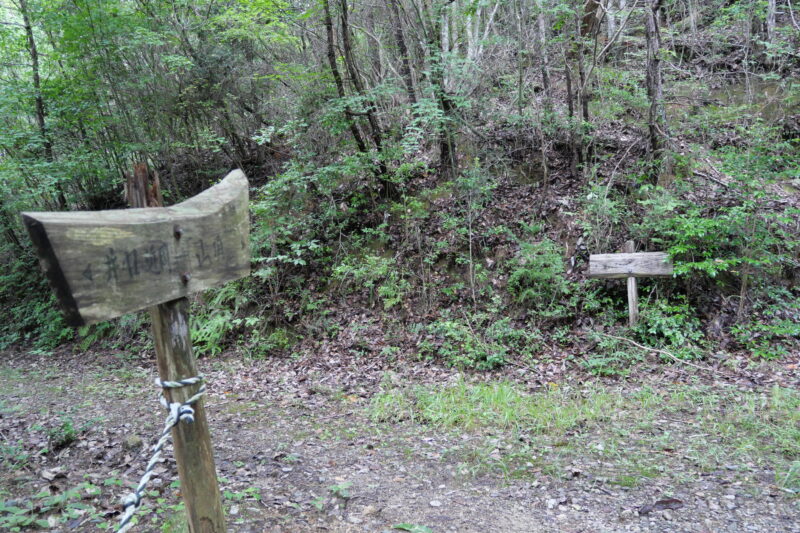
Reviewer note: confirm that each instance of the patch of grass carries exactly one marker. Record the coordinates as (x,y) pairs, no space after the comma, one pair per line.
(758,424)
(789,478)
(9,409)
(248,408)
(677,432)
(176,523)
(171,516)
(499,405)
(391,406)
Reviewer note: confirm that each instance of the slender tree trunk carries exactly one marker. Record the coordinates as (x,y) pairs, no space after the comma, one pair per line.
(41,113)
(588,31)
(791,15)
(611,19)
(8,227)
(355,79)
(692,7)
(376,50)
(405,61)
(522,55)
(337,77)
(771,11)
(573,137)
(447,156)
(656,117)
(541,21)
(388,188)
(586,24)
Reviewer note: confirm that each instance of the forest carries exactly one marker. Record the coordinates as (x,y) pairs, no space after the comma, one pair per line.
(428,179)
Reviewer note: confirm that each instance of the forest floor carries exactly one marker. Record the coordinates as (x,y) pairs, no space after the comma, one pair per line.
(333,443)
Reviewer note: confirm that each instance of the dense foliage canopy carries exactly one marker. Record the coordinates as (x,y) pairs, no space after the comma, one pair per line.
(439,167)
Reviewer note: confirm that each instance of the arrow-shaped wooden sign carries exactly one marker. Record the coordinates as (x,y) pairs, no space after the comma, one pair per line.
(103,264)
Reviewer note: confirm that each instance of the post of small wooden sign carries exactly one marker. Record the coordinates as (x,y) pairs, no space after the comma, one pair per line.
(105,264)
(194,454)
(630,265)
(633,290)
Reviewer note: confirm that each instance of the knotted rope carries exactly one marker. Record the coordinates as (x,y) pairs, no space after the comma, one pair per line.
(178,412)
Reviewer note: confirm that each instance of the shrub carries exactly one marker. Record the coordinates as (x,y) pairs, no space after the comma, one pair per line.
(475,342)
(773,328)
(212,322)
(32,315)
(537,278)
(279,339)
(670,325)
(603,216)
(460,346)
(611,357)
(377,274)
(741,238)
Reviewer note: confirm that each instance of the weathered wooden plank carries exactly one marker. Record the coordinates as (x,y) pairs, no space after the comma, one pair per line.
(642,264)
(104,264)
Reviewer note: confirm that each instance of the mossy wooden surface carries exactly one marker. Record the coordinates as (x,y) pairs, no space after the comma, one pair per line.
(104,264)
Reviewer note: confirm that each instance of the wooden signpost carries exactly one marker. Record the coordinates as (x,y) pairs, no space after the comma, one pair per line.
(105,264)
(630,265)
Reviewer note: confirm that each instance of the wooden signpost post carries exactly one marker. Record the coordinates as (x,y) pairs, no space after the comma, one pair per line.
(105,264)
(630,265)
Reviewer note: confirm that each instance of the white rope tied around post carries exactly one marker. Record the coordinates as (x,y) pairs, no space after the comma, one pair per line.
(178,412)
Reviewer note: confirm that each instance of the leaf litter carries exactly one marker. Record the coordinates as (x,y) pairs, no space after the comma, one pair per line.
(296,450)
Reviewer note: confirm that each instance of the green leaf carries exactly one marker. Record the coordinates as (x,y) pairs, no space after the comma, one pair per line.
(413,528)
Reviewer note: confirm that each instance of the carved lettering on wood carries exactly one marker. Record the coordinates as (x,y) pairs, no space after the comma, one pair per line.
(104,264)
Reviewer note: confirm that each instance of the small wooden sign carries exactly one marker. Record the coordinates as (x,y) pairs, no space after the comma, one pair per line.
(104,264)
(639,265)
(630,265)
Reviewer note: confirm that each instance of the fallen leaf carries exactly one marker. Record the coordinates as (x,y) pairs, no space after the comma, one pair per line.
(50,475)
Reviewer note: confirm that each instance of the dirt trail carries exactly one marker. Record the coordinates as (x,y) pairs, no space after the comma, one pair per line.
(298,451)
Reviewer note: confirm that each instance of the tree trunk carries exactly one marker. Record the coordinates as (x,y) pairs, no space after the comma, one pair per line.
(388,188)
(590,23)
(541,21)
(8,227)
(337,77)
(692,7)
(405,62)
(447,156)
(771,10)
(656,117)
(355,79)
(376,51)
(37,85)
(522,54)
(574,141)
(611,19)
(41,113)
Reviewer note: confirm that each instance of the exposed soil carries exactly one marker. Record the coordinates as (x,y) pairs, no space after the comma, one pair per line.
(298,435)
